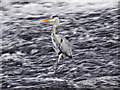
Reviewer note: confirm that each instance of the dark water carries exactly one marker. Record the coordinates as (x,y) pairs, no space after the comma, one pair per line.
(28,59)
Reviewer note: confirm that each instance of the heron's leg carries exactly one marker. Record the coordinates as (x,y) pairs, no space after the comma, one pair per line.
(63,59)
(59,58)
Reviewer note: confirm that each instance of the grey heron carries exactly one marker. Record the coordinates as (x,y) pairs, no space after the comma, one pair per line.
(60,44)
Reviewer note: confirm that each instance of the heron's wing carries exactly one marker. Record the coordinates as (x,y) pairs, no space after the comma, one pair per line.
(64,45)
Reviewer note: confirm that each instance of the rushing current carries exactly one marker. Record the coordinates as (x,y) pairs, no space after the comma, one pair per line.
(28,59)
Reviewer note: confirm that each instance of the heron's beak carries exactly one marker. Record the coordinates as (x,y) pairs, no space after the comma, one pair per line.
(46,20)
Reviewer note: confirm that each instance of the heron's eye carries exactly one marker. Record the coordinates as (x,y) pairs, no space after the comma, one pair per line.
(54,16)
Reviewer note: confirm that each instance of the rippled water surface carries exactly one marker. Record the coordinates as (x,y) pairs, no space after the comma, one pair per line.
(27,56)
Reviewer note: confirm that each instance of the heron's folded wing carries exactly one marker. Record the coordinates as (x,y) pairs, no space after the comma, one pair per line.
(65,46)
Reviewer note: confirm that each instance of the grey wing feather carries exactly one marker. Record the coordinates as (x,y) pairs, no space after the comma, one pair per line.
(65,46)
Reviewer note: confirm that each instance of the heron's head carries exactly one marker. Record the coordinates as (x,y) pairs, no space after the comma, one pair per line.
(52,18)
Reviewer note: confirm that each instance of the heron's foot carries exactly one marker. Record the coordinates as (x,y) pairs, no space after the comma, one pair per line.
(58,68)
(63,65)
(55,67)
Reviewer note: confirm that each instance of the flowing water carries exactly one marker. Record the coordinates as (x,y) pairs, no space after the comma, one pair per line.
(28,59)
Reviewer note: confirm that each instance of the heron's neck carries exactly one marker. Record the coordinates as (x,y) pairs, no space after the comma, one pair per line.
(54,28)
(54,33)
(56,24)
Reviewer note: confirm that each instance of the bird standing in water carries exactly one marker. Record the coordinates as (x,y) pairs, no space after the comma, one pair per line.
(60,44)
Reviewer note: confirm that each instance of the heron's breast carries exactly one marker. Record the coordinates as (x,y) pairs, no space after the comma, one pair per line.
(55,45)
